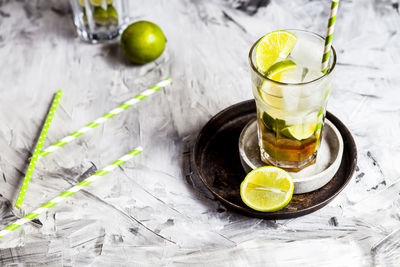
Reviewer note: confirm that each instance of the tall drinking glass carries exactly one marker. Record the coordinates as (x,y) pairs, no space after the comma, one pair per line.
(290,114)
(99,20)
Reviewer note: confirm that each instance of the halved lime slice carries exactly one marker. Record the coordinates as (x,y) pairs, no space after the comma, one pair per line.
(276,70)
(267,189)
(300,131)
(274,45)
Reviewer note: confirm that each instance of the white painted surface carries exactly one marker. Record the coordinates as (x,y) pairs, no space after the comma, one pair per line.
(151,212)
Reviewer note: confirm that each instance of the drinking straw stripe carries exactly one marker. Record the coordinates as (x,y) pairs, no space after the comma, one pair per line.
(329,35)
(105,117)
(69,192)
(38,149)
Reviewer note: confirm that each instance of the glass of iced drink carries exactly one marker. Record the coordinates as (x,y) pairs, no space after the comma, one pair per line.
(99,20)
(291,94)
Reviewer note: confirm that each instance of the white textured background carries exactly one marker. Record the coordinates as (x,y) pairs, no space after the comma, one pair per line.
(147,212)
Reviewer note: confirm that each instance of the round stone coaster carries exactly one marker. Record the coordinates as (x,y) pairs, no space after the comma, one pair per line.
(310,178)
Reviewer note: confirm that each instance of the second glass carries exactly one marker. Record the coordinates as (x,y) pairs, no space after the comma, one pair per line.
(290,115)
(99,20)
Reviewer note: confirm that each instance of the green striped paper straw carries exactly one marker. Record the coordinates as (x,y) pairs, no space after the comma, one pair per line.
(329,35)
(69,192)
(38,149)
(105,117)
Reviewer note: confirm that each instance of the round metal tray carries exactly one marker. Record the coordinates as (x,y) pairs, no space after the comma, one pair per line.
(216,161)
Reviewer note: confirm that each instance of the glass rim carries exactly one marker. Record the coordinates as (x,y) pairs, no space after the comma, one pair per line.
(255,69)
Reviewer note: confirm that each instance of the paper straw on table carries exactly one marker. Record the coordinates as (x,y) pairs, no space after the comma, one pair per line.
(38,149)
(69,192)
(105,117)
(329,35)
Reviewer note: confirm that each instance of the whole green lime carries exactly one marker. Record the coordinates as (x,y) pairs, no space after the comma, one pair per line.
(142,42)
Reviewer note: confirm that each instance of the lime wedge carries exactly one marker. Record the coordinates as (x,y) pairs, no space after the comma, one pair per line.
(300,131)
(267,189)
(274,45)
(271,123)
(268,121)
(276,70)
(82,2)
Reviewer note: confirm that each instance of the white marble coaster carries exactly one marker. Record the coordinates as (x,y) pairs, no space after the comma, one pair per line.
(310,178)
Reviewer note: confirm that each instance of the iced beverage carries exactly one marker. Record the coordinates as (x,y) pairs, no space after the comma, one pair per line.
(291,95)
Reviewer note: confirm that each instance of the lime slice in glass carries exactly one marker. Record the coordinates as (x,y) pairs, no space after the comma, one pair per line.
(100,16)
(300,131)
(276,70)
(274,45)
(268,121)
(271,123)
(112,14)
(82,2)
(267,189)
(96,2)
(271,93)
